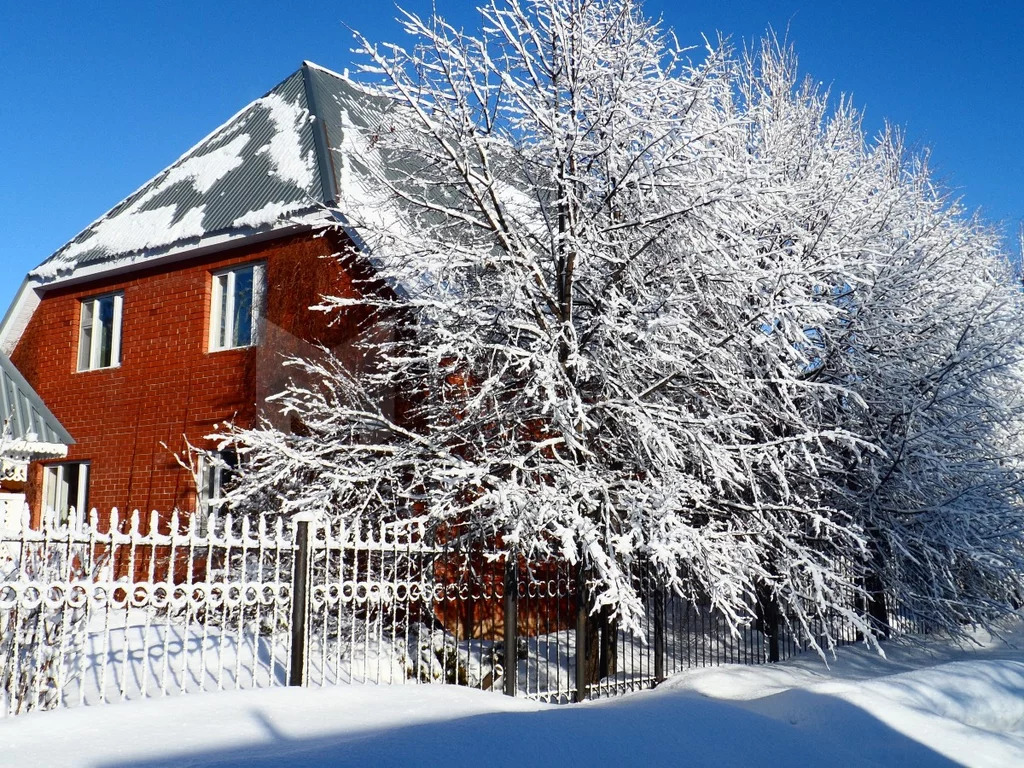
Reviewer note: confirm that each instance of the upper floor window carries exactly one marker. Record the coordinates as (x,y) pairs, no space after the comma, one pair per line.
(99,335)
(235,306)
(66,491)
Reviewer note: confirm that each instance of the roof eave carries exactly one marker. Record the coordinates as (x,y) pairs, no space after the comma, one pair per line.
(35,449)
(28,296)
(18,315)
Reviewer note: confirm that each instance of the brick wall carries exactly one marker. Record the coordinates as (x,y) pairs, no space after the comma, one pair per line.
(129,421)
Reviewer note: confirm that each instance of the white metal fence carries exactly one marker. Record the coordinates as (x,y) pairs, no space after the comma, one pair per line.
(136,608)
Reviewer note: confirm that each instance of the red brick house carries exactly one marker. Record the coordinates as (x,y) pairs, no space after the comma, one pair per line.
(173,312)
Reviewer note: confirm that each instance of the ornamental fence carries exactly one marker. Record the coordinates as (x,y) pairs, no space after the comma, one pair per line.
(143,606)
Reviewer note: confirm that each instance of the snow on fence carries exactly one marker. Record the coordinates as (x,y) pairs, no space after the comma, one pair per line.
(136,608)
(133,606)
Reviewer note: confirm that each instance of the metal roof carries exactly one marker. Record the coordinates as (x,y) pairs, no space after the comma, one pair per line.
(279,158)
(24,416)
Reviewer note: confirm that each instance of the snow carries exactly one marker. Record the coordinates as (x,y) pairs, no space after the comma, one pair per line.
(205,170)
(137,228)
(964,703)
(136,660)
(925,704)
(284,148)
(268,214)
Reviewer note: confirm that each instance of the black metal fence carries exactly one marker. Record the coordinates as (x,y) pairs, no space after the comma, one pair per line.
(393,604)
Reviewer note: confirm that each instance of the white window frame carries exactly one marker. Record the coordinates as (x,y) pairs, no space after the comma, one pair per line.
(55,492)
(89,356)
(223,293)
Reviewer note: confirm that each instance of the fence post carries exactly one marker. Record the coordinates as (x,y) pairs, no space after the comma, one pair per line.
(511,623)
(581,634)
(659,634)
(300,601)
(772,629)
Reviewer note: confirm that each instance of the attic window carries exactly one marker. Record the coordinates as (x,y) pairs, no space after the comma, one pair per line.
(99,335)
(234,307)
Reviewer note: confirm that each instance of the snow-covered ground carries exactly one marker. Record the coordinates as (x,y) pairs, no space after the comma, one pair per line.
(928,705)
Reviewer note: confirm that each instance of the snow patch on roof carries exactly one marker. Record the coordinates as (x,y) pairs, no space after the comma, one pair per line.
(136,230)
(35,448)
(285,148)
(269,214)
(206,170)
(139,228)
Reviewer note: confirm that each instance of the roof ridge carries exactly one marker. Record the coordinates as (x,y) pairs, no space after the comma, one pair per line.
(328,71)
(321,140)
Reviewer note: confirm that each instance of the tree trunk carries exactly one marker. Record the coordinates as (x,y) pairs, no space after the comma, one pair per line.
(877,609)
(768,620)
(609,661)
(602,655)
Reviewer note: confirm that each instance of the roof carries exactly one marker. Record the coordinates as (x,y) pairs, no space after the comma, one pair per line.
(276,161)
(286,161)
(26,419)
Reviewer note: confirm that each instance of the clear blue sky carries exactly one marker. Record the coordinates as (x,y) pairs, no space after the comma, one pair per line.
(97,97)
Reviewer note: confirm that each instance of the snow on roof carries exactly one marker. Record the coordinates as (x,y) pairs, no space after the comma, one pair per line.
(26,423)
(270,164)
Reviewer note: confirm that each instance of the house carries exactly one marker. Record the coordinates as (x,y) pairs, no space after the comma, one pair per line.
(28,432)
(173,312)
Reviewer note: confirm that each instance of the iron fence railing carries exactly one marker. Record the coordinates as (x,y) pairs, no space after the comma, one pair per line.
(137,606)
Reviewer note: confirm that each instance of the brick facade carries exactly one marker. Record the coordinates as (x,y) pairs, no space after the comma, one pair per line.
(131,420)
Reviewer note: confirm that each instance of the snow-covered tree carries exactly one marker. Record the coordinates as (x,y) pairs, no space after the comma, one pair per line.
(636,311)
(922,344)
(546,166)
(934,353)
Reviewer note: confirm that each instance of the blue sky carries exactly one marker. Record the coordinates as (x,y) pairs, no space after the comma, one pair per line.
(98,97)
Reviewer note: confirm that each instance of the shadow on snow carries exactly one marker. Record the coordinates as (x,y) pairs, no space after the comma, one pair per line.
(659,728)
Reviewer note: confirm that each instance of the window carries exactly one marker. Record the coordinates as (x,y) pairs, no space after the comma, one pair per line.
(217,471)
(66,488)
(235,305)
(99,337)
